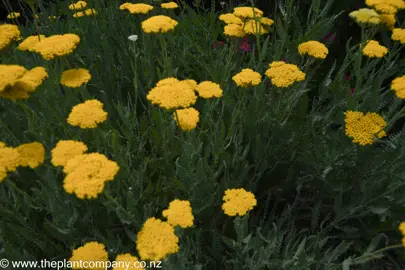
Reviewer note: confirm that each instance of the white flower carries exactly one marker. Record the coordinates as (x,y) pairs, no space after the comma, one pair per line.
(133,37)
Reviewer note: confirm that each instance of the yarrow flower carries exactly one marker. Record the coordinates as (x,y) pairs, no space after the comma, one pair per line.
(57,45)
(374,49)
(179,213)
(156,240)
(398,34)
(170,5)
(78,5)
(75,77)
(29,43)
(170,93)
(247,77)
(401,228)
(247,12)
(8,33)
(65,150)
(313,48)
(238,202)
(187,119)
(234,30)
(159,24)
(86,174)
(31,154)
(13,15)
(362,128)
(398,86)
(230,18)
(8,161)
(208,89)
(128,260)
(282,74)
(254,27)
(9,75)
(388,20)
(136,8)
(87,12)
(365,16)
(90,252)
(133,38)
(87,114)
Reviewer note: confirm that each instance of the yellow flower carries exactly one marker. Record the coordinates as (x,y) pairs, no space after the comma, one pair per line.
(75,77)
(192,83)
(57,45)
(87,12)
(31,154)
(313,48)
(403,241)
(398,85)
(158,24)
(8,33)
(265,21)
(247,77)
(374,49)
(362,128)
(388,20)
(29,43)
(136,8)
(365,16)
(87,173)
(9,75)
(127,259)
(172,94)
(376,4)
(87,114)
(65,151)
(234,30)
(187,118)
(238,202)
(398,34)
(13,15)
(170,5)
(156,240)
(90,252)
(254,27)
(9,158)
(401,228)
(209,89)
(230,18)
(78,5)
(283,74)
(247,12)
(179,213)
(2,145)
(386,9)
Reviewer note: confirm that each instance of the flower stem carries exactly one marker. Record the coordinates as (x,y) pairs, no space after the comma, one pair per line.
(375,253)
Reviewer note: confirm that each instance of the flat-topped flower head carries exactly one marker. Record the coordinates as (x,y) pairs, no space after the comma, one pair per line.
(90,252)
(363,127)
(238,201)
(179,213)
(398,4)
(78,5)
(247,77)
(127,262)
(187,119)
(208,89)
(171,93)
(373,49)
(9,75)
(14,15)
(401,228)
(87,114)
(398,86)
(313,48)
(265,21)
(156,240)
(254,27)
(75,77)
(8,33)
(31,154)
(9,158)
(136,8)
(57,45)
(230,18)
(29,43)
(247,12)
(170,5)
(388,20)
(365,16)
(398,34)
(65,150)
(234,30)
(87,12)
(86,174)
(284,75)
(159,24)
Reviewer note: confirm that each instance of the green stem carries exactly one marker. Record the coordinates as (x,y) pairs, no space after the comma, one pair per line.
(118,205)
(376,252)
(165,56)
(35,20)
(15,188)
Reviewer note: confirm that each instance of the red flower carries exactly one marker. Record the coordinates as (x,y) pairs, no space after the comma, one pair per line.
(244,46)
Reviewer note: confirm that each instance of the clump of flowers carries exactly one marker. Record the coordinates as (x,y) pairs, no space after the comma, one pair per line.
(29,43)
(87,12)
(159,24)
(254,27)
(170,5)
(238,202)
(313,48)
(78,5)
(234,30)
(9,75)
(31,154)
(374,49)
(187,119)
(9,158)
(388,20)
(129,260)
(398,34)
(13,15)
(87,114)
(156,240)
(75,77)
(247,77)
(230,18)
(179,213)
(284,75)
(363,127)
(208,89)
(365,16)
(247,12)
(57,45)
(90,252)
(136,8)
(386,6)
(398,86)
(65,150)
(86,174)
(8,33)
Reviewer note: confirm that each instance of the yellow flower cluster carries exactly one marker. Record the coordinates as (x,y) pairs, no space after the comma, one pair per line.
(386,6)
(29,43)
(238,202)
(56,45)
(398,34)
(179,213)
(86,174)
(365,16)
(401,229)
(362,128)
(78,5)
(17,83)
(284,75)
(26,155)
(159,24)
(8,33)
(65,150)
(75,77)
(187,119)
(136,8)
(247,12)
(208,89)
(388,20)
(247,77)
(90,252)
(373,49)
(234,30)
(128,260)
(230,18)
(87,12)
(87,114)
(398,85)
(313,48)
(170,5)
(13,15)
